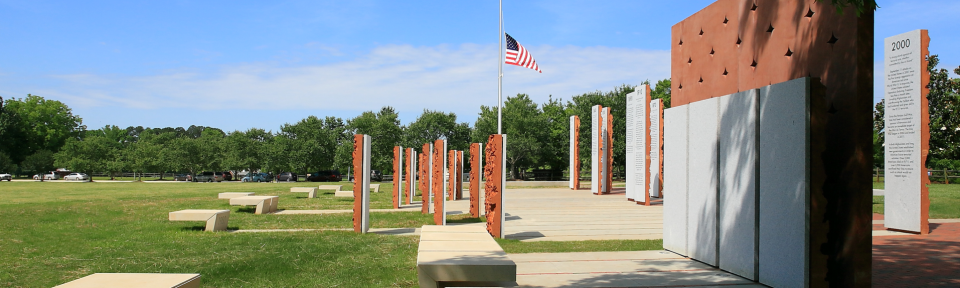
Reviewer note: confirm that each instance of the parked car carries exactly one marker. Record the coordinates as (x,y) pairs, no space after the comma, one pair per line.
(257,177)
(49,176)
(376,176)
(209,177)
(325,176)
(76,177)
(183,177)
(287,176)
(5,176)
(227,176)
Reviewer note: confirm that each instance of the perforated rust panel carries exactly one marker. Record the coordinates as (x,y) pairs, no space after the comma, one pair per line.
(437,185)
(576,153)
(737,45)
(424,179)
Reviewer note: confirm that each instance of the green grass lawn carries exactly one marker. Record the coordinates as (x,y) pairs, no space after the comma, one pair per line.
(944,201)
(53,233)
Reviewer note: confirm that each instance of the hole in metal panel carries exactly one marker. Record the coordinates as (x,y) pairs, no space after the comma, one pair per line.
(725,72)
(701,80)
(754,8)
(725,20)
(809,13)
(789,52)
(770,29)
(681,42)
(701,32)
(690,61)
(712,52)
(833,39)
(739,41)
(754,64)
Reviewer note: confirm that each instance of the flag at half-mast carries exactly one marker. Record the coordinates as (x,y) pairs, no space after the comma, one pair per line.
(516,55)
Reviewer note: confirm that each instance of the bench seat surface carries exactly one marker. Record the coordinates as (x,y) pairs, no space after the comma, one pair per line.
(195,214)
(250,200)
(465,253)
(140,280)
(229,195)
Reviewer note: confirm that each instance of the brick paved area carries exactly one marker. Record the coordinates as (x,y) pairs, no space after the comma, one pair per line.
(918,261)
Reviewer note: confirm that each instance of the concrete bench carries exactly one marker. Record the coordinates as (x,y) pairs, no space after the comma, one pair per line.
(330,187)
(311,192)
(375,188)
(265,204)
(231,195)
(139,280)
(343,194)
(216,219)
(463,255)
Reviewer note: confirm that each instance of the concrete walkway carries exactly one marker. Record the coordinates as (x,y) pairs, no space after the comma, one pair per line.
(561,214)
(619,269)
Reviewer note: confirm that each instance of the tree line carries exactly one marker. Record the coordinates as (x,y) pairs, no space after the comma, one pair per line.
(943,102)
(39,135)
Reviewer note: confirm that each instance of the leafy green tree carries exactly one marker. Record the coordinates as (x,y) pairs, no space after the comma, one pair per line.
(556,156)
(40,162)
(661,91)
(247,150)
(435,125)
(526,128)
(581,105)
(95,153)
(34,124)
(878,134)
(944,108)
(385,133)
(6,164)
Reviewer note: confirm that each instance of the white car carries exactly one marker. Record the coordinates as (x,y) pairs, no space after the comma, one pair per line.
(76,176)
(6,177)
(50,176)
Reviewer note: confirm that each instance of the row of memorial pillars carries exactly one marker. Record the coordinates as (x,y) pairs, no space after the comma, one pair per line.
(644,148)
(431,163)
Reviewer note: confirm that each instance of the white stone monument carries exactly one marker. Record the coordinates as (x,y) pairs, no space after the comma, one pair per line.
(595,149)
(907,132)
(654,167)
(573,150)
(636,144)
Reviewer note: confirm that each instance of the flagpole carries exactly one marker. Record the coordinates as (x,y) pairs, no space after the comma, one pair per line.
(500,75)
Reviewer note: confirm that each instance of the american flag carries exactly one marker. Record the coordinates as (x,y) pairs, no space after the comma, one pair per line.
(516,55)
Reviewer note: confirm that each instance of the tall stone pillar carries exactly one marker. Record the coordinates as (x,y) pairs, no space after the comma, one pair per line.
(437,171)
(906,145)
(451,177)
(574,152)
(638,136)
(361,183)
(459,175)
(608,151)
(409,187)
(397,176)
(495,174)
(425,178)
(656,149)
(475,171)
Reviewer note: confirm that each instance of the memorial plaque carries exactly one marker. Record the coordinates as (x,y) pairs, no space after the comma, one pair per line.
(636,144)
(656,150)
(738,178)
(906,128)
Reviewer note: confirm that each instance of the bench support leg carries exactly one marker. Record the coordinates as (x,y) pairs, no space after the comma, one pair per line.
(218,222)
(425,280)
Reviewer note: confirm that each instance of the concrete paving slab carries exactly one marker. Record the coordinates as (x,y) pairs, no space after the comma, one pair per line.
(620,269)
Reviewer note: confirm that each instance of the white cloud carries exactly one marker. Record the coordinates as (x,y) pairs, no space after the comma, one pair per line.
(448,78)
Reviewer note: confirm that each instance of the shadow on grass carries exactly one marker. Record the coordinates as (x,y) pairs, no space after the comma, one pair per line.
(251,210)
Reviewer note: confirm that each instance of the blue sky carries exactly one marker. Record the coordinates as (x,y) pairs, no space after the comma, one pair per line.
(243,64)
